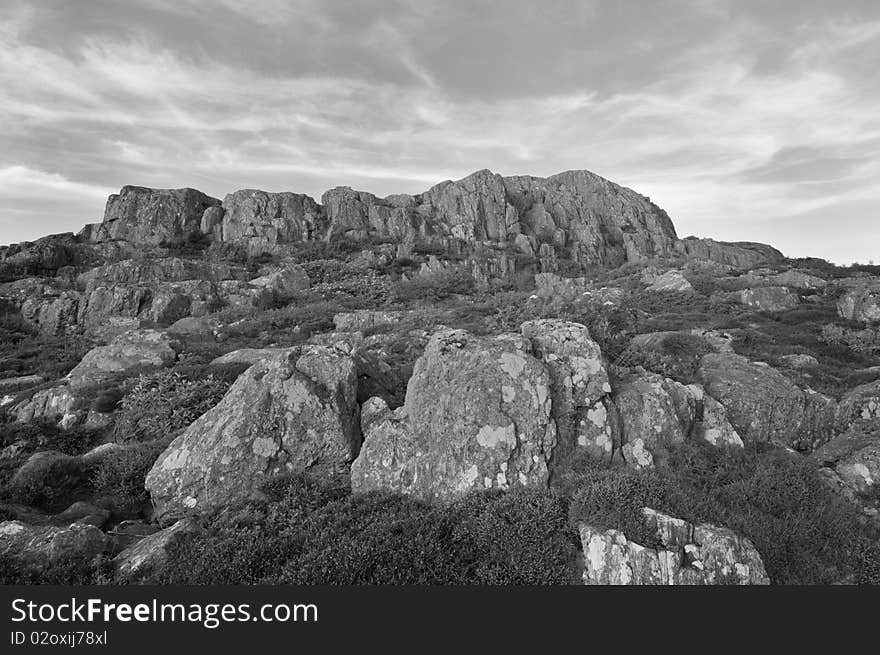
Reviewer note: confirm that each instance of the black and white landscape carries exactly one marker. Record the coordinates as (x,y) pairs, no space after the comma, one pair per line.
(523,377)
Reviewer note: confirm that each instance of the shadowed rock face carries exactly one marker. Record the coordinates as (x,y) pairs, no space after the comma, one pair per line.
(152,216)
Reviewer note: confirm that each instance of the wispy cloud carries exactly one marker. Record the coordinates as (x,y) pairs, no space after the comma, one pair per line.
(738,119)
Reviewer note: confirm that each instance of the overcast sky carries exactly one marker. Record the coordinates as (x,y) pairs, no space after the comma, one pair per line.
(745,120)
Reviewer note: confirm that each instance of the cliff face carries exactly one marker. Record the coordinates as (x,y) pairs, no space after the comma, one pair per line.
(575,215)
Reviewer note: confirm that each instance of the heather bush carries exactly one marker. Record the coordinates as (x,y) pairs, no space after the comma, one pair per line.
(118,478)
(162,403)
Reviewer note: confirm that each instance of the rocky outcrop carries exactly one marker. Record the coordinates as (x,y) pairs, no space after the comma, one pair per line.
(260,221)
(579,388)
(764,405)
(126,353)
(152,216)
(688,554)
(861,303)
(790,278)
(740,254)
(56,404)
(292,412)
(766,299)
(855,458)
(476,416)
(858,405)
(283,281)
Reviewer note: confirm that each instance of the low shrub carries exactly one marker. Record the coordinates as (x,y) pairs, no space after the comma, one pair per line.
(434,286)
(118,478)
(162,403)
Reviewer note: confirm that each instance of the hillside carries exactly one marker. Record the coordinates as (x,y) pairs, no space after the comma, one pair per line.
(512,380)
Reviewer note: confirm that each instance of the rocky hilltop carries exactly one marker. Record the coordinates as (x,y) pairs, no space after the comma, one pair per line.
(542,353)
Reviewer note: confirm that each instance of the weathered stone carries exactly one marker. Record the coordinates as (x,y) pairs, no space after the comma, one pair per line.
(52,315)
(365,319)
(690,555)
(861,303)
(55,404)
(248,356)
(153,216)
(260,220)
(766,299)
(765,406)
(288,280)
(127,352)
(740,255)
(855,457)
(296,411)
(150,552)
(476,416)
(671,281)
(860,404)
(49,545)
(579,387)
(800,360)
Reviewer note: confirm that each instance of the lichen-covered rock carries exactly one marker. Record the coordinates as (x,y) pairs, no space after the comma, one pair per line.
(248,356)
(767,299)
(476,416)
(713,426)
(579,387)
(656,413)
(688,555)
(297,411)
(765,406)
(49,545)
(671,281)
(800,360)
(861,303)
(149,553)
(152,216)
(52,315)
(127,352)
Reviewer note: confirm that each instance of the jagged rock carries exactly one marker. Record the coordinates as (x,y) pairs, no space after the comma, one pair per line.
(101,303)
(150,552)
(127,352)
(152,216)
(861,303)
(146,272)
(711,421)
(765,406)
(476,416)
(241,294)
(260,220)
(551,285)
(671,281)
(791,278)
(49,545)
(365,319)
(742,255)
(297,411)
(766,299)
(41,257)
(701,554)
(579,387)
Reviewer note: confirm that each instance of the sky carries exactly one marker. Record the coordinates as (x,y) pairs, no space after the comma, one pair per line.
(743,119)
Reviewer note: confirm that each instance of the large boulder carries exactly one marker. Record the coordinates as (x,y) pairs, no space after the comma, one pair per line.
(57,403)
(152,216)
(765,406)
(476,416)
(688,554)
(297,411)
(861,303)
(855,457)
(284,281)
(54,314)
(579,387)
(859,404)
(126,353)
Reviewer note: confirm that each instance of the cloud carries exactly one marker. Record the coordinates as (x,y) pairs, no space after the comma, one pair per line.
(735,117)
